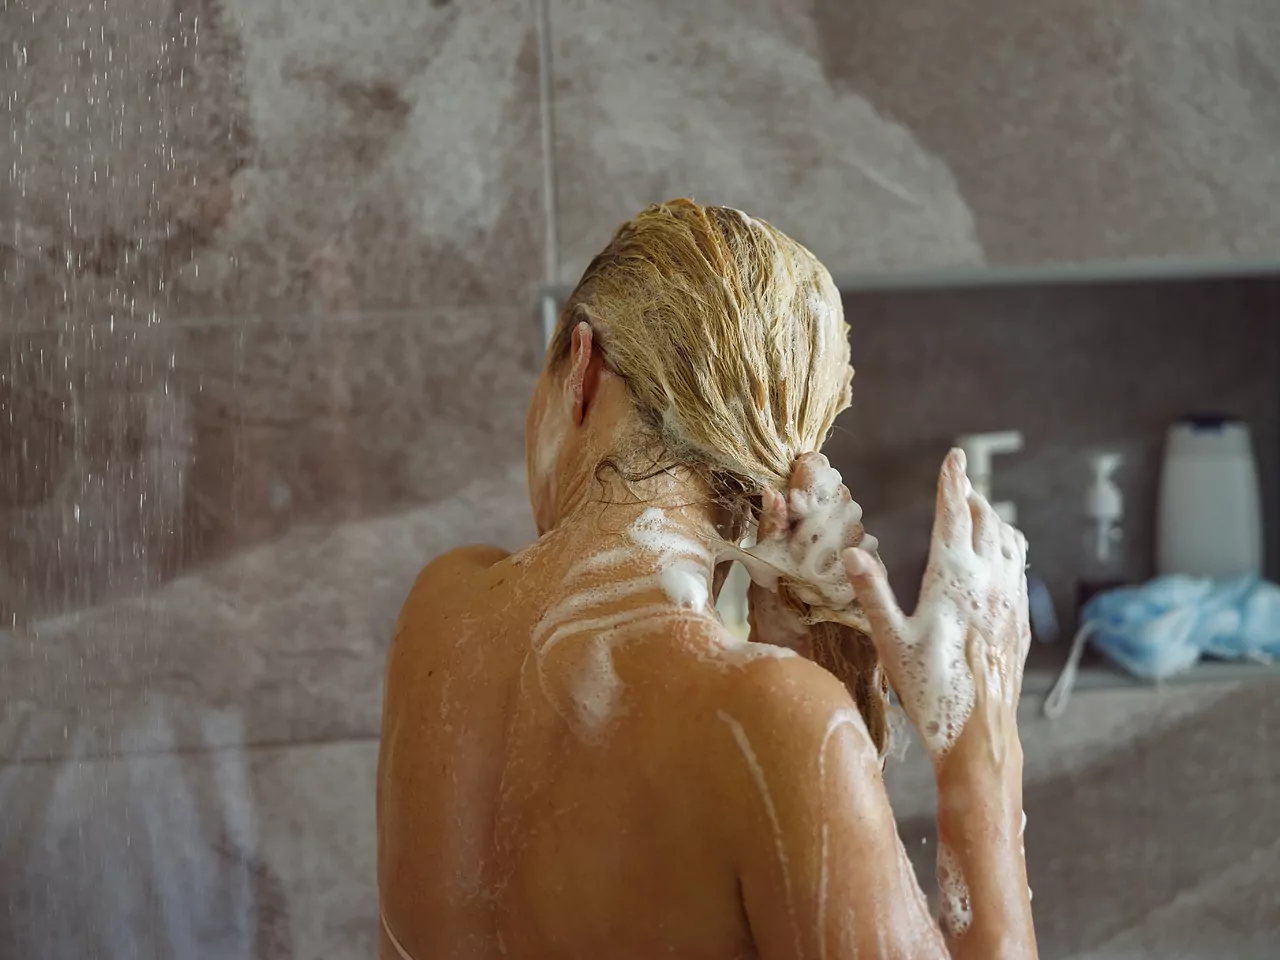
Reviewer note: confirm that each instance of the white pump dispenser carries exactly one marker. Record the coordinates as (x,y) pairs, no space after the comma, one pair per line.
(1105,506)
(978,449)
(1103,566)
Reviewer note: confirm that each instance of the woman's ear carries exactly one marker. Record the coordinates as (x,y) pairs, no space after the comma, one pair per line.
(585,364)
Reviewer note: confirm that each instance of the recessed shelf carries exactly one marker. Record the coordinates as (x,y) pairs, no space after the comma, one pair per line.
(1096,673)
(1084,272)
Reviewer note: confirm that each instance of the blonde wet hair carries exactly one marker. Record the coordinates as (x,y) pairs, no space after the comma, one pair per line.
(731,339)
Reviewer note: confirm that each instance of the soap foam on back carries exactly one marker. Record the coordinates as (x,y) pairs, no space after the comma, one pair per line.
(732,652)
(592,683)
(844,717)
(588,676)
(685,584)
(553,623)
(667,544)
(683,577)
(762,785)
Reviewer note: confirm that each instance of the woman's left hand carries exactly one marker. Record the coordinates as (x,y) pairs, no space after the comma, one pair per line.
(801,536)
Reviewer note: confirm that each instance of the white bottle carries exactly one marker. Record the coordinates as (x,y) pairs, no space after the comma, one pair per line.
(1210,519)
(1102,567)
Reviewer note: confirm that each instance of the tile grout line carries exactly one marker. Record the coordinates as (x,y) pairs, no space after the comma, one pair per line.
(188,751)
(1091,273)
(551,256)
(304,319)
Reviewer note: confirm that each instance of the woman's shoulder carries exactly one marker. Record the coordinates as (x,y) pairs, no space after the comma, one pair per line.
(722,730)
(449,573)
(448,584)
(791,694)
(771,694)
(461,562)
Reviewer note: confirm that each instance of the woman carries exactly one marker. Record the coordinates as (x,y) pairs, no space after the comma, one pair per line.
(577,758)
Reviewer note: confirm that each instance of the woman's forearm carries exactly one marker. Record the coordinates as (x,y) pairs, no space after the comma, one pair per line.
(986,905)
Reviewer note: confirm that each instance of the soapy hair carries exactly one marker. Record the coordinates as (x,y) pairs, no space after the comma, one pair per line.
(732,342)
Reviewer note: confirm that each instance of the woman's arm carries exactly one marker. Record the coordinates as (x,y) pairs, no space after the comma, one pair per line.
(956,665)
(986,903)
(822,871)
(957,668)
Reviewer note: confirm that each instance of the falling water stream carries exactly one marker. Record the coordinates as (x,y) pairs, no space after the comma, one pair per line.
(220,469)
(128,814)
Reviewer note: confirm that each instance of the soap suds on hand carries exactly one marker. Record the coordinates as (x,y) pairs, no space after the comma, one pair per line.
(823,519)
(967,593)
(957,909)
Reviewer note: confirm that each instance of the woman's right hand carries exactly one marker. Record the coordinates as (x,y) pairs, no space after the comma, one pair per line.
(967,641)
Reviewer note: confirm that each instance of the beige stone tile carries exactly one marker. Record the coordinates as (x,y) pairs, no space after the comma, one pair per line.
(1096,725)
(95,460)
(318,834)
(910,137)
(1081,130)
(289,637)
(1115,841)
(729,103)
(1181,817)
(332,419)
(221,157)
(1229,914)
(137,453)
(225,855)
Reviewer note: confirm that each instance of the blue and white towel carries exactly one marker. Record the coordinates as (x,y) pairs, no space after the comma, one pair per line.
(1166,625)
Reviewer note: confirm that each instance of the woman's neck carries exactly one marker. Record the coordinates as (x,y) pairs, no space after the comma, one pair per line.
(610,505)
(591,487)
(640,549)
(660,526)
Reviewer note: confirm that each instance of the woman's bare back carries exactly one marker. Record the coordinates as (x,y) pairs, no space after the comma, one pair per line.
(544,786)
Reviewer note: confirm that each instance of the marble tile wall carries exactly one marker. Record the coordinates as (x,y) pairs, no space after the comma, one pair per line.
(237,237)
(266,342)
(928,134)
(267,336)
(1161,844)
(239,854)
(234,157)
(140,453)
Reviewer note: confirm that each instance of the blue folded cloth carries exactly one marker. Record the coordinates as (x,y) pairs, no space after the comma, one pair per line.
(1164,626)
